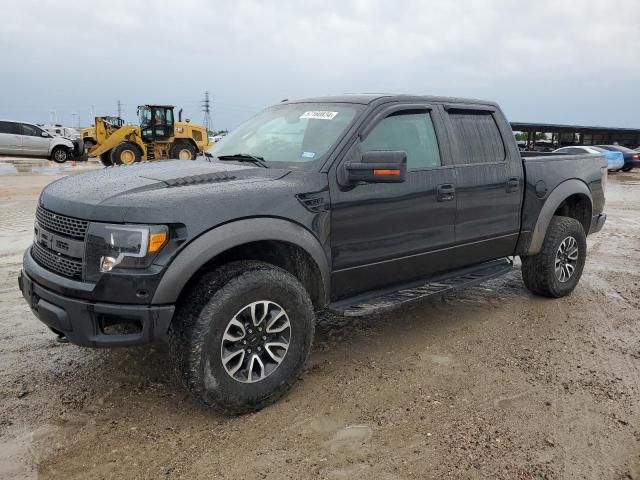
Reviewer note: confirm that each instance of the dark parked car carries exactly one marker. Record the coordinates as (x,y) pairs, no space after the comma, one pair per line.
(631,157)
(358,204)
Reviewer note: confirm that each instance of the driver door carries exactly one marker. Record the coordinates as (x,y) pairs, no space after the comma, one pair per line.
(385,234)
(33,143)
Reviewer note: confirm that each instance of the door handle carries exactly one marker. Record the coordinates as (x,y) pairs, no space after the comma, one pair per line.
(446,192)
(513,184)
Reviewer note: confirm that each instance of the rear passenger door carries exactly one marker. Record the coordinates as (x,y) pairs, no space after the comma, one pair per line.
(10,139)
(489,185)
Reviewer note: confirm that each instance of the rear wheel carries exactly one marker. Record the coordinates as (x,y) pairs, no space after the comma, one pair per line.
(626,169)
(126,153)
(60,154)
(105,158)
(556,270)
(241,336)
(183,150)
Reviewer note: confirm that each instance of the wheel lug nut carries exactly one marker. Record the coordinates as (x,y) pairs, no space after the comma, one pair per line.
(259,349)
(264,337)
(250,331)
(244,342)
(248,350)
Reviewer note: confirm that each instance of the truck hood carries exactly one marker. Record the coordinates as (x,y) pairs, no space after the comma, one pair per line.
(109,194)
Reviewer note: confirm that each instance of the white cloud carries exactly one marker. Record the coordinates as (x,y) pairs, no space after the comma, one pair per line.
(537,58)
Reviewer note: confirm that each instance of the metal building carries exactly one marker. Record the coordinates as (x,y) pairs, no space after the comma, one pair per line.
(562,135)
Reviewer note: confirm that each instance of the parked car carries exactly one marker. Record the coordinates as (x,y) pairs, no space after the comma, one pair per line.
(27,139)
(615,160)
(359,204)
(631,157)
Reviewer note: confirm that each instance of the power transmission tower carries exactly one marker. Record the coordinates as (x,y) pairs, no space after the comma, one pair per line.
(206,108)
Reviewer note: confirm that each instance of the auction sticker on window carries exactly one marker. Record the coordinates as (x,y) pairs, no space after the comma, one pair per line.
(319,115)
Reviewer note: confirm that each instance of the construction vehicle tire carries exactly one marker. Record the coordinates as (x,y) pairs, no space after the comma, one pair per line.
(105,158)
(126,153)
(183,150)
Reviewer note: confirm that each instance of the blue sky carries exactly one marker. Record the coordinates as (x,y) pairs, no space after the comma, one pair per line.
(543,61)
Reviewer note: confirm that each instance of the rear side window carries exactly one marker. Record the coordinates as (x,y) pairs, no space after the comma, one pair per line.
(478,137)
(9,127)
(409,131)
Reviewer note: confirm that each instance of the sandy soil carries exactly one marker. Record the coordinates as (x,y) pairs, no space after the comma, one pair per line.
(490,382)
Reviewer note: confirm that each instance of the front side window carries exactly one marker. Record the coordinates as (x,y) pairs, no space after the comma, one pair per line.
(409,131)
(297,134)
(31,131)
(478,137)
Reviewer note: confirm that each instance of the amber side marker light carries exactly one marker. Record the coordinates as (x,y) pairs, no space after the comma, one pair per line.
(156,241)
(386,172)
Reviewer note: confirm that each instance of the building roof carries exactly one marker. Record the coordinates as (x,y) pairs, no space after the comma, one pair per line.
(560,128)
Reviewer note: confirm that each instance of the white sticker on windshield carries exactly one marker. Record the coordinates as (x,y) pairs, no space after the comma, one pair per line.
(319,115)
(308,154)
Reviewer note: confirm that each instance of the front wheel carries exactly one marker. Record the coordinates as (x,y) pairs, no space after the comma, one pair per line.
(556,270)
(60,155)
(241,336)
(126,153)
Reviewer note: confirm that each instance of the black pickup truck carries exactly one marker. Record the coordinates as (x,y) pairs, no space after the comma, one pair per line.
(356,203)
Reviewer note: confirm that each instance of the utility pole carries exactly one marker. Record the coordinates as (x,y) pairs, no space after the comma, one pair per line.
(53,118)
(119,109)
(206,108)
(93,111)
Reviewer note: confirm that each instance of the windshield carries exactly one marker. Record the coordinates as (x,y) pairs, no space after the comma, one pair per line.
(296,134)
(617,148)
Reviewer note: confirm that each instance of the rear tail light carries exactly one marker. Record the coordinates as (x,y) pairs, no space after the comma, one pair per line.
(635,156)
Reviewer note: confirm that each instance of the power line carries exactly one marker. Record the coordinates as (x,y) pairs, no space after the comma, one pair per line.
(206,108)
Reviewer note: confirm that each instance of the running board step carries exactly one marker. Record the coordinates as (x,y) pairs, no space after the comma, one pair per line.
(388,299)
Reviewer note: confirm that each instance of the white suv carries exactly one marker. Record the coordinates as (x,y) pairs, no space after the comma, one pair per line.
(27,139)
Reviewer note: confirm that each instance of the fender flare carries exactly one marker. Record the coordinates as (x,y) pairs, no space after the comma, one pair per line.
(230,235)
(551,204)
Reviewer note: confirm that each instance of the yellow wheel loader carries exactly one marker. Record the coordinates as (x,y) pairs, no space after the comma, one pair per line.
(157,137)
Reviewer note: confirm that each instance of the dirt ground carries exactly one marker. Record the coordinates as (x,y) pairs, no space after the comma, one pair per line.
(489,382)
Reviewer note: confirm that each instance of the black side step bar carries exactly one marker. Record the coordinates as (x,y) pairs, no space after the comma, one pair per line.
(389,299)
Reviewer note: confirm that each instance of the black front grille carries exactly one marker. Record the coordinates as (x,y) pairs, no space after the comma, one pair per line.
(55,223)
(65,266)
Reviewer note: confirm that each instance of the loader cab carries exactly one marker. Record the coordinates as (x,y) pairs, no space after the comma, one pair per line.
(156,122)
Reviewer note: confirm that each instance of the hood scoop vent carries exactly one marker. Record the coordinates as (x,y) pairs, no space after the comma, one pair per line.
(213,177)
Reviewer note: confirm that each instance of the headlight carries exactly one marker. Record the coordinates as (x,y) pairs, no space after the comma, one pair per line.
(122,246)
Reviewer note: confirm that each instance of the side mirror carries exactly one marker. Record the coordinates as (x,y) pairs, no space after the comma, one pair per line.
(378,167)
(45,135)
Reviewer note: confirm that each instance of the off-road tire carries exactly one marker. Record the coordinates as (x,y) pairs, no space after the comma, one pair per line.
(60,154)
(88,145)
(105,159)
(538,271)
(203,315)
(122,149)
(183,146)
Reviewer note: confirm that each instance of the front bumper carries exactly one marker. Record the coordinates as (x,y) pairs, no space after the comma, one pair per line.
(90,324)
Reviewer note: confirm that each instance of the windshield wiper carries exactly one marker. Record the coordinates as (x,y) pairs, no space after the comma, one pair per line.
(244,157)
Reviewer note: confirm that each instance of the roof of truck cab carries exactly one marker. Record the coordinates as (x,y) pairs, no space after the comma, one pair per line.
(368,98)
